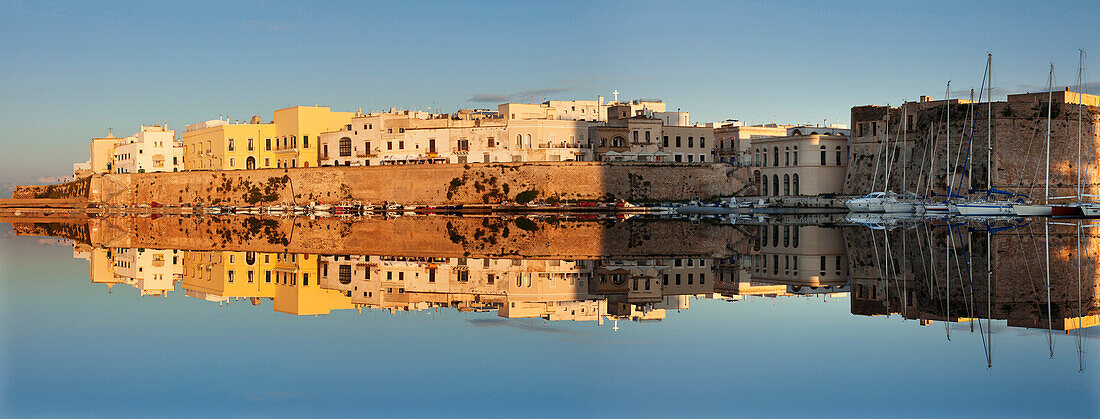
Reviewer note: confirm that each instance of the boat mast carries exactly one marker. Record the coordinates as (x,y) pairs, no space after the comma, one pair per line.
(904,143)
(947,145)
(1080,99)
(968,167)
(989,127)
(886,181)
(1050,97)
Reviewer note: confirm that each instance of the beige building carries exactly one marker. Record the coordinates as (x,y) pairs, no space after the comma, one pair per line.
(688,144)
(408,137)
(802,165)
(633,133)
(101,157)
(733,141)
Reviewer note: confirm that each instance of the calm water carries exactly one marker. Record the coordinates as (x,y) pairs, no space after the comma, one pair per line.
(788,318)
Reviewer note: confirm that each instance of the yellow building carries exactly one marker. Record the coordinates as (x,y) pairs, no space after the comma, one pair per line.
(220,145)
(291,140)
(298,130)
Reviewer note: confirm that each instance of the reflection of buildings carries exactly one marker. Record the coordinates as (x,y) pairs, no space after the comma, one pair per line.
(152,272)
(905,272)
(289,280)
(552,289)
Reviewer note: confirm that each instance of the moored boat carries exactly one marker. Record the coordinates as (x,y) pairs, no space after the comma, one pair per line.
(872,202)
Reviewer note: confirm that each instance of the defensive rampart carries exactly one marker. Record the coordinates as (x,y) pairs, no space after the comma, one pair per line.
(426,184)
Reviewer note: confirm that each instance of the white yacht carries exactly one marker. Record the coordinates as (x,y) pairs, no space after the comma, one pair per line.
(872,202)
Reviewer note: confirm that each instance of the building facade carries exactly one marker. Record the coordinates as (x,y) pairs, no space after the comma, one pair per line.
(291,140)
(803,165)
(153,149)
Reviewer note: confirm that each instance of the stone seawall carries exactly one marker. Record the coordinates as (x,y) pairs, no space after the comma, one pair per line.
(426,184)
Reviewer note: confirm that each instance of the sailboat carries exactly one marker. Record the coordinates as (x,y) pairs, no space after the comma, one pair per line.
(1081,208)
(1045,209)
(880,201)
(940,207)
(986,206)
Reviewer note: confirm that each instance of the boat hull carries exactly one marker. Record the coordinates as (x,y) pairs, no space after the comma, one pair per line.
(1066,211)
(898,207)
(1033,210)
(985,209)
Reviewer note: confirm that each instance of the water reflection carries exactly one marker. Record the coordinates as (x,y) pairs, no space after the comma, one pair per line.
(1029,275)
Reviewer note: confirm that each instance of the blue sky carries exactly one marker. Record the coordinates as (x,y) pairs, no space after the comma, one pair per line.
(69,70)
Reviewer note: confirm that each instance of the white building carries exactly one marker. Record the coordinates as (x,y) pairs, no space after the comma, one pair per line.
(153,149)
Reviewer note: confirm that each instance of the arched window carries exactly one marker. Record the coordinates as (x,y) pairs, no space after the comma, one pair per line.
(839,157)
(519,140)
(764,186)
(795,154)
(794,181)
(775,155)
(794,240)
(823,162)
(786,236)
(775,185)
(528,145)
(345,147)
(796,132)
(786,156)
(786,184)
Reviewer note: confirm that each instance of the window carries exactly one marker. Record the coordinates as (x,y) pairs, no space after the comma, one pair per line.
(389,145)
(231,144)
(775,185)
(401,144)
(678,141)
(268,140)
(795,182)
(691,142)
(250,147)
(786,184)
(786,156)
(345,147)
(823,162)
(839,157)
(305,144)
(775,162)
(647,141)
(795,154)
(702,142)
(345,274)
(665,141)
(635,141)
